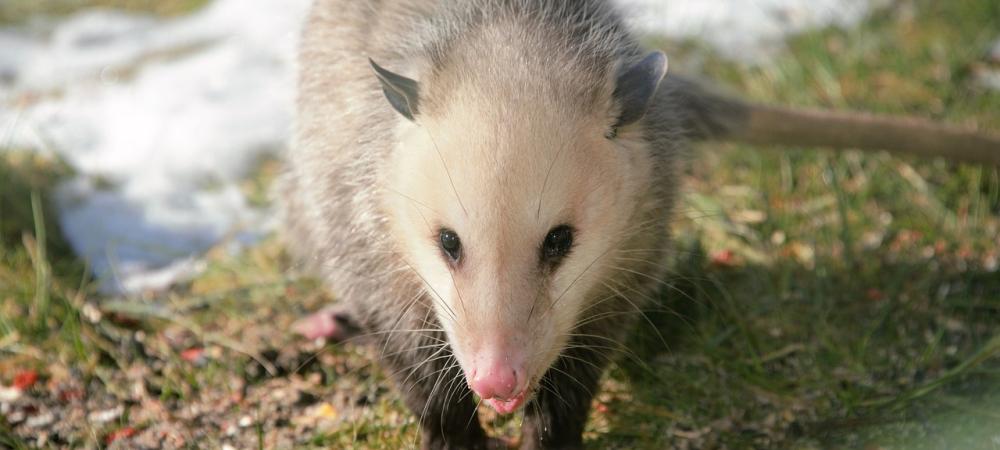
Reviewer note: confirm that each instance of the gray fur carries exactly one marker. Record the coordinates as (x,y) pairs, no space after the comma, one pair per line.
(344,134)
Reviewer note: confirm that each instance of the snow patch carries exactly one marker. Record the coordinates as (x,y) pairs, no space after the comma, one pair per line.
(747,31)
(161,119)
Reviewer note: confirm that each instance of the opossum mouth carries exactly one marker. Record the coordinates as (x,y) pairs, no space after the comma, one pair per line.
(507,406)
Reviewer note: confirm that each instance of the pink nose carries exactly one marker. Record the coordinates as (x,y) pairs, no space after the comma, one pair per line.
(496,379)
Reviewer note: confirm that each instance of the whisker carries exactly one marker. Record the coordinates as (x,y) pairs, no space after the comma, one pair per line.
(545,181)
(571,377)
(447,172)
(406,309)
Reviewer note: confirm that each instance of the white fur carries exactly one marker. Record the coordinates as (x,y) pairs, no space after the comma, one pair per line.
(502,172)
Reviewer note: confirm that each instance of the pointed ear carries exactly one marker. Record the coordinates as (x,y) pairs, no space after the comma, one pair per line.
(636,85)
(402,92)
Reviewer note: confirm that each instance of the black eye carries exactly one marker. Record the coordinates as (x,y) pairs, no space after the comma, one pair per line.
(557,243)
(450,243)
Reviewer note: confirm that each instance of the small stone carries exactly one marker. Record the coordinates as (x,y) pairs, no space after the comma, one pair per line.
(91,312)
(15,417)
(9,394)
(99,417)
(245,421)
(40,420)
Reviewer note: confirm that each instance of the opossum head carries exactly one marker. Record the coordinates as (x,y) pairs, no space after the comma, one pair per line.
(503,196)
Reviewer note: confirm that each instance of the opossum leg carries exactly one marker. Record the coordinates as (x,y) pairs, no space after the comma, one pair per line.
(437,394)
(556,416)
(333,322)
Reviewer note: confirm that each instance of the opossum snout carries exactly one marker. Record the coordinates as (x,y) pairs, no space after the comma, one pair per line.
(496,381)
(499,378)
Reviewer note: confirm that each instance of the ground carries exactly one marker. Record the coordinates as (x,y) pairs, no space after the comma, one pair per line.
(817,299)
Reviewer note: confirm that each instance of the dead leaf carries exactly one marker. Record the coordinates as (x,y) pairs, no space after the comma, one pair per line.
(25,380)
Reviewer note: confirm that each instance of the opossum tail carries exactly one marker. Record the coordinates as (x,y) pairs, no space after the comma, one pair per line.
(710,115)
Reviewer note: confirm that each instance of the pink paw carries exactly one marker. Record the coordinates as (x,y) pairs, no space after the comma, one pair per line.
(333,323)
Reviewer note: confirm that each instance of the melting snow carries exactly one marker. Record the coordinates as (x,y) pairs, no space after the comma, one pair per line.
(161,119)
(745,30)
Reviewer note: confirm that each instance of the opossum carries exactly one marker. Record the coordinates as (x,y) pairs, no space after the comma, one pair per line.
(486,186)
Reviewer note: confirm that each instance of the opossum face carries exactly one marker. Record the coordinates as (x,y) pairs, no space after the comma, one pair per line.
(505,211)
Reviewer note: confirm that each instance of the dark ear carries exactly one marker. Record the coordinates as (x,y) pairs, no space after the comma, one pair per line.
(636,85)
(402,92)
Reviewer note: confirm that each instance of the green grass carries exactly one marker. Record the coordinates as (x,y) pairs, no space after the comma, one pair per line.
(859,308)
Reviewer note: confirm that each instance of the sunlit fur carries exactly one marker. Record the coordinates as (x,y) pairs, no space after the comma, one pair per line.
(491,164)
(510,141)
